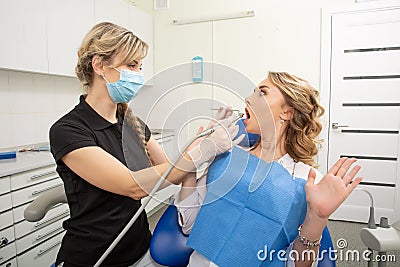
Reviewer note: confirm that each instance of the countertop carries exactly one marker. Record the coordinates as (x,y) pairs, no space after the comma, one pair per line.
(31,160)
(25,161)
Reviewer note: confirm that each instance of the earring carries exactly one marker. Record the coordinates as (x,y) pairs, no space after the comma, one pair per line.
(282,121)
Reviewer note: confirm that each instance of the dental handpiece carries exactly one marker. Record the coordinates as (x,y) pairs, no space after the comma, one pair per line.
(212,129)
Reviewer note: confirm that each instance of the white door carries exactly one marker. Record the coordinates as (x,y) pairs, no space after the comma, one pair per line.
(364,113)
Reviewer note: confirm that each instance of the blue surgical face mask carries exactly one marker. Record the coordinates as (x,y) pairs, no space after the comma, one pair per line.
(127,87)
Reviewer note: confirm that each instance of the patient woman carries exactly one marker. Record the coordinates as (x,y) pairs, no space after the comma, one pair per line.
(285,112)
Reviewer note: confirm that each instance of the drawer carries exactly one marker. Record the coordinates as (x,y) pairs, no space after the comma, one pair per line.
(43,255)
(28,194)
(5,185)
(39,236)
(5,202)
(31,177)
(6,219)
(6,236)
(60,212)
(7,252)
(11,263)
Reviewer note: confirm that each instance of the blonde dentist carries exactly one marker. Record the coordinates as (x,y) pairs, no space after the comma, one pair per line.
(102,192)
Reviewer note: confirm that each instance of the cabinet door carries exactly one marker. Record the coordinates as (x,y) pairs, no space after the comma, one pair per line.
(115,11)
(24,41)
(5,185)
(6,219)
(7,252)
(11,263)
(124,14)
(43,254)
(67,24)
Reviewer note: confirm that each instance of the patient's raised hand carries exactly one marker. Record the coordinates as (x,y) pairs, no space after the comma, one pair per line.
(326,196)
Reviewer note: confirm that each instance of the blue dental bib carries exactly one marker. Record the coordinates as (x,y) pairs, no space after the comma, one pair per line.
(251,208)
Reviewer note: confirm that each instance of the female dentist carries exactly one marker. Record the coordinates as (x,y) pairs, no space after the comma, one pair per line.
(103,194)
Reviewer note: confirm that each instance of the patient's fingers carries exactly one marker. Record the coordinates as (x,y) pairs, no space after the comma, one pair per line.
(335,168)
(345,167)
(349,177)
(353,185)
(311,176)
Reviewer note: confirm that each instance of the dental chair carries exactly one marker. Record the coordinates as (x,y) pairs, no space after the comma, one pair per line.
(168,245)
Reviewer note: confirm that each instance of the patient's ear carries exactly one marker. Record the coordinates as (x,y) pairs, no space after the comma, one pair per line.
(287,113)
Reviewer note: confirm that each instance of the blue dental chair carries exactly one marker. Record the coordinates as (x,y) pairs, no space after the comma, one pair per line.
(168,245)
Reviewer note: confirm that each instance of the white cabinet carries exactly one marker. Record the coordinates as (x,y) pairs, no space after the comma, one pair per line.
(41,255)
(44,35)
(11,263)
(26,243)
(67,24)
(7,252)
(24,40)
(104,10)
(132,18)
(6,219)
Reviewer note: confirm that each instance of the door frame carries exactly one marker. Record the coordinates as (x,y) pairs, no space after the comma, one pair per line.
(325,63)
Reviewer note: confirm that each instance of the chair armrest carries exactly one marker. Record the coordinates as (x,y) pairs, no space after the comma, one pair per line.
(41,205)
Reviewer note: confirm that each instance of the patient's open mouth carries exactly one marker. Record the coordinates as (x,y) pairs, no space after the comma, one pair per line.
(247,115)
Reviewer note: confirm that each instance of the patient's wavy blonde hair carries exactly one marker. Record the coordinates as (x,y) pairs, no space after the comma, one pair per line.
(107,40)
(301,133)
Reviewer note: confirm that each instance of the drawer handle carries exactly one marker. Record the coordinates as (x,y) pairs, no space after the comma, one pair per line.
(36,192)
(61,215)
(165,140)
(48,233)
(3,241)
(33,177)
(42,251)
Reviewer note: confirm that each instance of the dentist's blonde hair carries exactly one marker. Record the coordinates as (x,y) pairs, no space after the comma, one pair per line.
(302,130)
(107,40)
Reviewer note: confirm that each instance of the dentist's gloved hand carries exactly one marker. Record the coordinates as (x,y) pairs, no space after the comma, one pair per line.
(216,143)
(222,113)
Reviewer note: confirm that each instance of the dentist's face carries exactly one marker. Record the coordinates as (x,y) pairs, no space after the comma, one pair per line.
(264,109)
(113,75)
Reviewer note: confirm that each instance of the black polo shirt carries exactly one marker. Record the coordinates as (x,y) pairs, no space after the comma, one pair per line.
(98,216)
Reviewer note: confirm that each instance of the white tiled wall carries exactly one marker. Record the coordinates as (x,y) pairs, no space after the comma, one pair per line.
(30,103)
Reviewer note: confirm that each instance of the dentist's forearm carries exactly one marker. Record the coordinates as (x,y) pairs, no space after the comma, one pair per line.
(146,179)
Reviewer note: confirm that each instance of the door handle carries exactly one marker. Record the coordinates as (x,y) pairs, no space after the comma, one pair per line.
(336,125)
(3,241)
